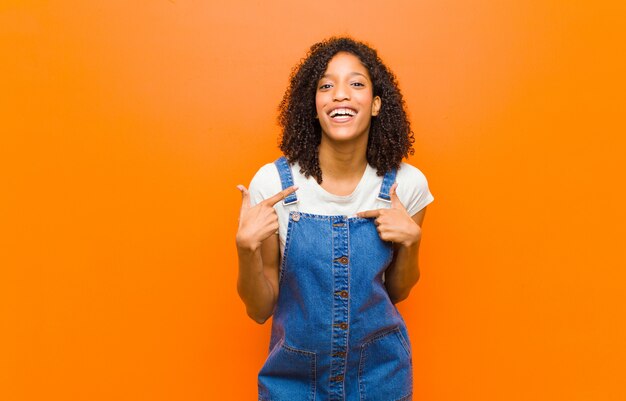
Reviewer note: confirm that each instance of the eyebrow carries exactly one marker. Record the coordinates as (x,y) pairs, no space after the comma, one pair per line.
(351,74)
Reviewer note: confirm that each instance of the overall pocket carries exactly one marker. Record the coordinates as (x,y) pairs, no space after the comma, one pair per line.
(287,375)
(385,368)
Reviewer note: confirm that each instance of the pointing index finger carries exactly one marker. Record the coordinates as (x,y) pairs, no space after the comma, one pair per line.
(369,213)
(281,195)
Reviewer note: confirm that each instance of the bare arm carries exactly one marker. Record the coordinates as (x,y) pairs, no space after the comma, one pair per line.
(403,273)
(259,255)
(396,225)
(257,283)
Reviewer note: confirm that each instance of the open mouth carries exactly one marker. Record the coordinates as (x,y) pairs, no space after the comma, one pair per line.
(342,113)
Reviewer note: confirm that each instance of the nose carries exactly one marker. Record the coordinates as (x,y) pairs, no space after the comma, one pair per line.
(341,93)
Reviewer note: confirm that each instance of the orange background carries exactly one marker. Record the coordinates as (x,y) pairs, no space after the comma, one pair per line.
(125,127)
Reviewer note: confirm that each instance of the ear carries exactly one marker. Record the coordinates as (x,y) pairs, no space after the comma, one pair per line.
(376,103)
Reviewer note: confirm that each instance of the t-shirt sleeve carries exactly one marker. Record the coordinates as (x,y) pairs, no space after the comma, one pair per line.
(264,184)
(413,189)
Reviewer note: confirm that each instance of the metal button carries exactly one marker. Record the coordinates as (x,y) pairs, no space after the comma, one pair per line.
(336,378)
(342,326)
(295,216)
(339,354)
(343,260)
(342,294)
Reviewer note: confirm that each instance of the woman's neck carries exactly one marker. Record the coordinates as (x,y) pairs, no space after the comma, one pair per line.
(342,166)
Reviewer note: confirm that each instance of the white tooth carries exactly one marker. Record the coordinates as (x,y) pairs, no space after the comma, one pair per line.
(342,110)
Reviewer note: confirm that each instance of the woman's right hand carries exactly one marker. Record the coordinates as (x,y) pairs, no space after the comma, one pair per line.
(259,222)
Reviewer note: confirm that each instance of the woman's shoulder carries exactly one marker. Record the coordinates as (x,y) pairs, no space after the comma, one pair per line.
(413,188)
(411,174)
(265,183)
(267,171)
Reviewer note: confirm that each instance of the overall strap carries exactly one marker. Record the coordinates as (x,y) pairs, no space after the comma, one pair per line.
(286,179)
(388,180)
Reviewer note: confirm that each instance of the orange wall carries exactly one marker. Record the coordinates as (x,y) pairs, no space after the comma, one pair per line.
(125,127)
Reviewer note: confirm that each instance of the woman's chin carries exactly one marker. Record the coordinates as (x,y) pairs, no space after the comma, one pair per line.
(344,135)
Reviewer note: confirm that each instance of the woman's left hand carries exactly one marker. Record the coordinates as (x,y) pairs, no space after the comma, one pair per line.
(395,224)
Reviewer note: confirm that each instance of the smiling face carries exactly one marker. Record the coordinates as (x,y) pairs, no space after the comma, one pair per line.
(344,99)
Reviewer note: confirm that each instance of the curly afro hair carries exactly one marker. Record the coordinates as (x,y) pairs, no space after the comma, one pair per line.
(390,136)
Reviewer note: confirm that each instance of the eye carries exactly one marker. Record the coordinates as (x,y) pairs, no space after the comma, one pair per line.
(358,84)
(325,86)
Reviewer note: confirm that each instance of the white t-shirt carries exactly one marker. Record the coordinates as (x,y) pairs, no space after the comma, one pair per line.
(412,191)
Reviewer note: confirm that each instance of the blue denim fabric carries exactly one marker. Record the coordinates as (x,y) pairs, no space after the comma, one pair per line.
(336,335)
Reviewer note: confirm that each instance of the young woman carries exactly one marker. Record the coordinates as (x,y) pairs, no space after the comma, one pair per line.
(329,233)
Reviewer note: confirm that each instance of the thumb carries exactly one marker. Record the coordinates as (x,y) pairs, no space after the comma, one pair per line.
(395,201)
(245,197)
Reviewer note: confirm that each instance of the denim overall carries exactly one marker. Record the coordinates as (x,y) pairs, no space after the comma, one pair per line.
(336,335)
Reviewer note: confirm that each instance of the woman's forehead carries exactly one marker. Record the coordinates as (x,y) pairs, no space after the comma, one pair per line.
(346,63)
